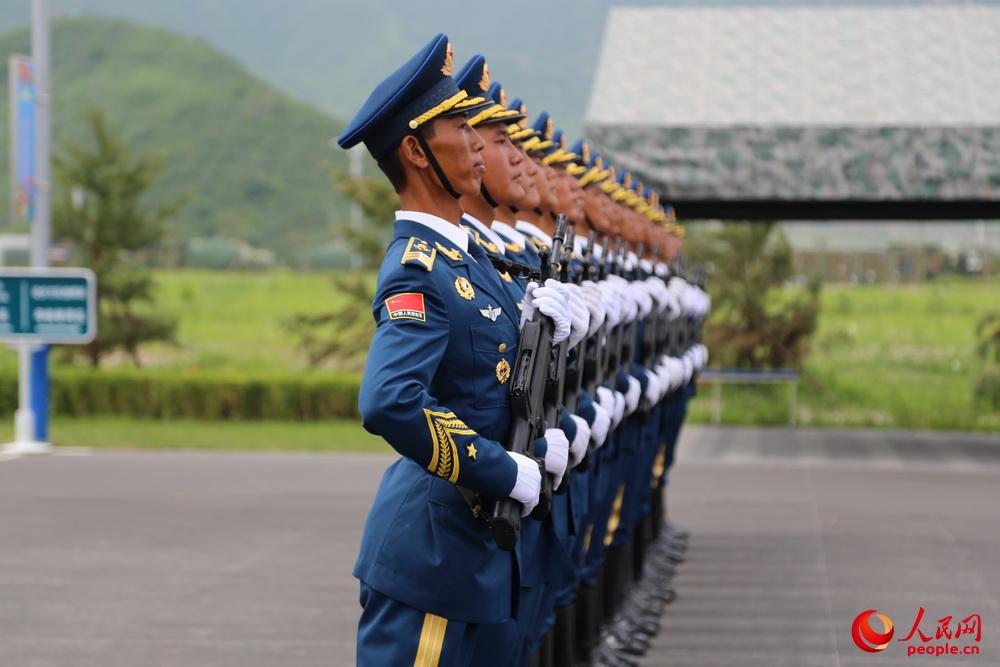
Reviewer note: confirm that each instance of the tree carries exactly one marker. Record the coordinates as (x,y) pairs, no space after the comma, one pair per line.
(100,211)
(342,335)
(757,320)
(987,389)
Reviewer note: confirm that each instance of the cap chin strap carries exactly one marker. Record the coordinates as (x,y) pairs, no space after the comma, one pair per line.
(488,197)
(435,166)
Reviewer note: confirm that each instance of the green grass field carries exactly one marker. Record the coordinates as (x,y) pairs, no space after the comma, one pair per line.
(893,356)
(124,433)
(897,356)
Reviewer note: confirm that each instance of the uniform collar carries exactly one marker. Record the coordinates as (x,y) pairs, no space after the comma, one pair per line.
(453,233)
(511,233)
(486,231)
(531,230)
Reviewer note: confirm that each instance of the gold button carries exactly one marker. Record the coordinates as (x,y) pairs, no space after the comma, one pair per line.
(502,347)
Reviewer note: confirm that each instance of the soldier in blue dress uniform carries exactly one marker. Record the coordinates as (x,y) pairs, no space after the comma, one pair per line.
(435,383)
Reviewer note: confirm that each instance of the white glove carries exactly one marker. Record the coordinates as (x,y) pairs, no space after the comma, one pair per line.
(595,305)
(578,448)
(556,453)
(550,302)
(632,394)
(688,369)
(602,422)
(677,370)
(612,303)
(619,412)
(528,484)
(606,399)
(642,297)
(580,315)
(629,307)
(654,390)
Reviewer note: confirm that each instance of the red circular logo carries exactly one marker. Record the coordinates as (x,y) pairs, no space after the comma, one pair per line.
(866,637)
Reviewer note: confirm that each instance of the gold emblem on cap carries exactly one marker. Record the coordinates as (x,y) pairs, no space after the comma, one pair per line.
(484,83)
(449,57)
(503,371)
(464,288)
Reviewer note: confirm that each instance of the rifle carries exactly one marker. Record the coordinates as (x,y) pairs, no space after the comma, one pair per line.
(575,367)
(555,381)
(527,394)
(630,329)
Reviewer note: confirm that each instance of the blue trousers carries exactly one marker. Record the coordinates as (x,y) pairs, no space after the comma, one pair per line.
(392,633)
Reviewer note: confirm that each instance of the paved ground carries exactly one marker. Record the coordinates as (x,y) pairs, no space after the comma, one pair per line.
(149,559)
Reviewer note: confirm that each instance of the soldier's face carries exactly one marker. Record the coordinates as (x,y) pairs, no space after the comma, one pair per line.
(458,149)
(503,165)
(594,208)
(529,174)
(546,188)
(567,201)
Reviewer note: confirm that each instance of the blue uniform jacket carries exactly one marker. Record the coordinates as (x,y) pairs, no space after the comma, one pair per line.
(436,389)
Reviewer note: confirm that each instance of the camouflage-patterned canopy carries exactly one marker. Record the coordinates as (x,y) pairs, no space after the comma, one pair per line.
(803,103)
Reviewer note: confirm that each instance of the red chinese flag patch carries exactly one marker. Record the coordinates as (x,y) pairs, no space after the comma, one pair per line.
(407,306)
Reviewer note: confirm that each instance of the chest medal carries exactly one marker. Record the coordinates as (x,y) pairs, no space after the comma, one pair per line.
(464,288)
(503,371)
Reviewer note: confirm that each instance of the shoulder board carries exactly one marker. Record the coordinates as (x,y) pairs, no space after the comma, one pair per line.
(419,253)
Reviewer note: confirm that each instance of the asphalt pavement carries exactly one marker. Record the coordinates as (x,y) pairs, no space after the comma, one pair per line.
(126,559)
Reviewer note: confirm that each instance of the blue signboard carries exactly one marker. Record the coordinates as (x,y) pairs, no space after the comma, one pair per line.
(22,138)
(48,305)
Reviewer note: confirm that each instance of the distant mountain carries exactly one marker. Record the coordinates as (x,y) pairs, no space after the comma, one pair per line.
(254,161)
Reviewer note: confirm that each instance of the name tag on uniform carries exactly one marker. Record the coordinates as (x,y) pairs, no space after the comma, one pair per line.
(406,306)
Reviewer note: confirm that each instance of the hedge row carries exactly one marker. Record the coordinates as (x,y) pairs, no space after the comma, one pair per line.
(165,394)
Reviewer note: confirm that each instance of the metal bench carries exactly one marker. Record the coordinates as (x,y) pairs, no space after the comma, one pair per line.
(718,376)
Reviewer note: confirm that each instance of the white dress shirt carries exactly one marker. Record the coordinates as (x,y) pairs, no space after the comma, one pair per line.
(449,230)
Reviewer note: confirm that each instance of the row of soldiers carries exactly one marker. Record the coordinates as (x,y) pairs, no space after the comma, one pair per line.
(535,349)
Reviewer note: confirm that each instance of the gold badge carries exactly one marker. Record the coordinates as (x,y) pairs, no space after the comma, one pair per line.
(454,254)
(464,288)
(470,449)
(506,277)
(513,247)
(490,246)
(449,58)
(503,371)
(484,83)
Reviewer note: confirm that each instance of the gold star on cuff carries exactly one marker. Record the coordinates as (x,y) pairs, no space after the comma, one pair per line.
(471,450)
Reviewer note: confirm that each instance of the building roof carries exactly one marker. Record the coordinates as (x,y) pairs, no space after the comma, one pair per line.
(800,66)
(872,103)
